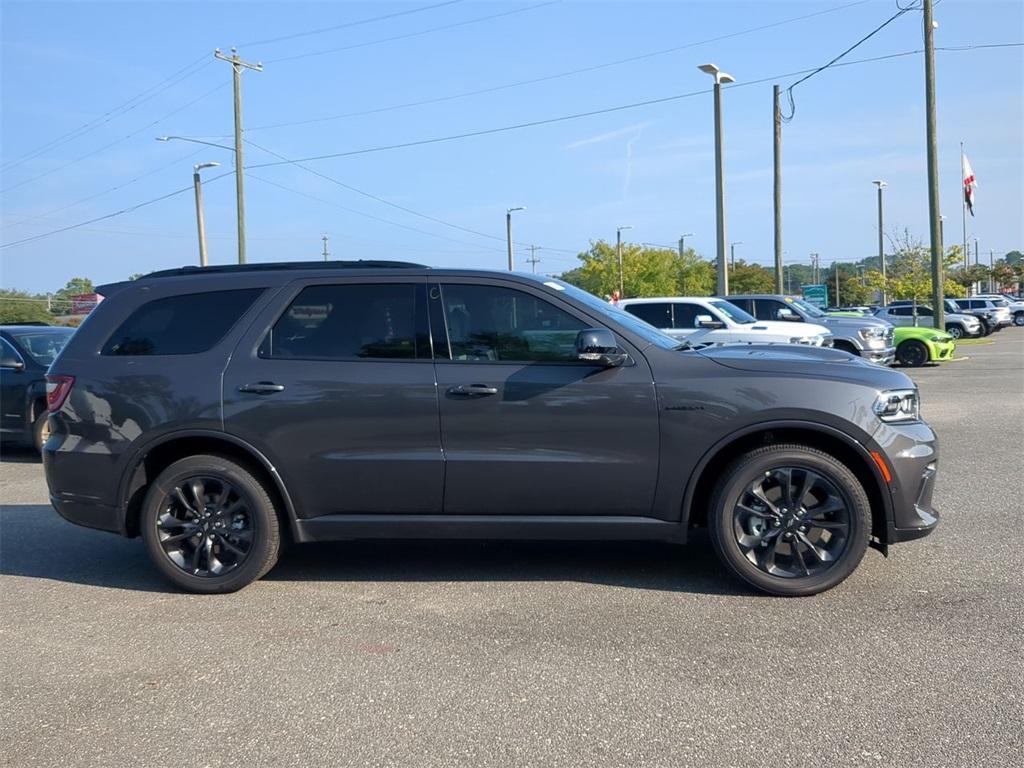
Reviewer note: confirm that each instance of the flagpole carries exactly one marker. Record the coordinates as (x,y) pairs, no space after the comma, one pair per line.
(963,204)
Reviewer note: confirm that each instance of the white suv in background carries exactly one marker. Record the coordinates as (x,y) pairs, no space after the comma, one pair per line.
(703,321)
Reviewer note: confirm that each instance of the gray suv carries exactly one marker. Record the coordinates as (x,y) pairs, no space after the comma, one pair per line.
(217,412)
(867,337)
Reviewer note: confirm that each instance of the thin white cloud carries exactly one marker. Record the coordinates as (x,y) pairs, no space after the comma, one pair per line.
(629,130)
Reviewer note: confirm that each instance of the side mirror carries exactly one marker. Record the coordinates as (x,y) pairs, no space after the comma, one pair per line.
(11,362)
(598,345)
(788,315)
(706,321)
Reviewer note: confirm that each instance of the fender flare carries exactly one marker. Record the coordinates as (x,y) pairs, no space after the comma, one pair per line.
(138,456)
(863,449)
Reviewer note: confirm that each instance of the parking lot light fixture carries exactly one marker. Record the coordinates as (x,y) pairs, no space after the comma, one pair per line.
(508,234)
(723,268)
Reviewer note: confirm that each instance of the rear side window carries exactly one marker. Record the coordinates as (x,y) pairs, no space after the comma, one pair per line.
(659,315)
(180,325)
(352,321)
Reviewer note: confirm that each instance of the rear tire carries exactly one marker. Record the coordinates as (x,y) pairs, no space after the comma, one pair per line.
(912,353)
(1018,319)
(820,536)
(209,525)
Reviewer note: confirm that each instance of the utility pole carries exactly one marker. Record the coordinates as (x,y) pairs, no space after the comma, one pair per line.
(835,268)
(326,253)
(881,237)
(815,277)
(933,168)
(963,211)
(991,268)
(533,260)
(777,118)
(237,65)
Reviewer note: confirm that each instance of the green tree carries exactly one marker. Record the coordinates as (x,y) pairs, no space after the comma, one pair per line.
(21,307)
(750,278)
(646,271)
(697,276)
(74,287)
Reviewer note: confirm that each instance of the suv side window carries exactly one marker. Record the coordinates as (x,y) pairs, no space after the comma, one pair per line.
(352,321)
(659,315)
(900,311)
(685,314)
(180,325)
(491,323)
(768,309)
(747,305)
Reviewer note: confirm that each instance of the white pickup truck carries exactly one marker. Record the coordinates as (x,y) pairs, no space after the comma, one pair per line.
(703,321)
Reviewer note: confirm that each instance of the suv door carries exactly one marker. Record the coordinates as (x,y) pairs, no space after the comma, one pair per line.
(334,383)
(527,428)
(13,383)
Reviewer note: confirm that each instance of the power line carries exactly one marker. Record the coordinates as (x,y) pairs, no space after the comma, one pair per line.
(555,76)
(579,115)
(121,109)
(350,24)
(408,35)
(114,143)
(868,36)
(106,191)
(497,130)
(121,212)
(376,198)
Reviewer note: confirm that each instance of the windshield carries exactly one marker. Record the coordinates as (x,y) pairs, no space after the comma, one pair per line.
(42,345)
(635,324)
(733,312)
(810,309)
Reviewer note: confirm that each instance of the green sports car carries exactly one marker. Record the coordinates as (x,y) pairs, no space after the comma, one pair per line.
(917,346)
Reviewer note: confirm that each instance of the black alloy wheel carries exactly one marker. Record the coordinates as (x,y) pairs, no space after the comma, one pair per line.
(790,520)
(912,353)
(210,525)
(206,528)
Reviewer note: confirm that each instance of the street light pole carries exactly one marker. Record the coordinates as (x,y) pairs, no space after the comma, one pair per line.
(723,269)
(682,244)
(618,251)
(881,237)
(732,254)
(777,196)
(508,234)
(200,219)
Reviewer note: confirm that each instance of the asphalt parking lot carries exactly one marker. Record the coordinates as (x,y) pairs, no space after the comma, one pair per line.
(484,654)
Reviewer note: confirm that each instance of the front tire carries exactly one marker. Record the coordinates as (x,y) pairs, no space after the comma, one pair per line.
(956,331)
(209,525)
(789,520)
(912,353)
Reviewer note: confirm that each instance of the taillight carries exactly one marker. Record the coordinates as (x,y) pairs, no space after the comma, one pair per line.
(57,390)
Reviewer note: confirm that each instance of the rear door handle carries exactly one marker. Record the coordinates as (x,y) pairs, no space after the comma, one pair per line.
(472,390)
(262,388)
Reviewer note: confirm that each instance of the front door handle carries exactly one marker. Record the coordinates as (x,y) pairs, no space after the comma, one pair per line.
(472,390)
(262,388)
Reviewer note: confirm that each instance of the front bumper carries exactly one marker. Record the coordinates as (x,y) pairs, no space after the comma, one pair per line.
(883,355)
(912,453)
(941,350)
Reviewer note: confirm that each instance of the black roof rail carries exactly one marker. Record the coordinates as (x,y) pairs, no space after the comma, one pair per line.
(275,266)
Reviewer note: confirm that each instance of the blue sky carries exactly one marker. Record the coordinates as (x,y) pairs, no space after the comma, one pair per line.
(66,64)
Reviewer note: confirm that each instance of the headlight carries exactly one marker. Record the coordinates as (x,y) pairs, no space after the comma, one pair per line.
(872,332)
(813,340)
(897,405)
(938,338)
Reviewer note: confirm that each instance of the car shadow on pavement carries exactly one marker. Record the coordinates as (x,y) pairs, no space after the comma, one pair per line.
(19,454)
(36,543)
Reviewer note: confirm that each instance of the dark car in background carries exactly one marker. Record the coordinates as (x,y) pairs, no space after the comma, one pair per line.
(27,351)
(215,411)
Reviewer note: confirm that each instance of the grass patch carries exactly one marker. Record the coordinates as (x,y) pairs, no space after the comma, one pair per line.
(974,342)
